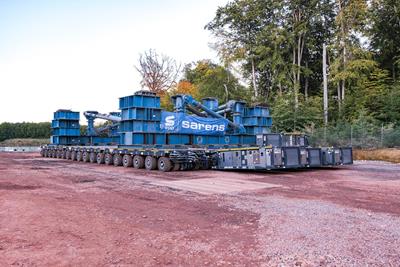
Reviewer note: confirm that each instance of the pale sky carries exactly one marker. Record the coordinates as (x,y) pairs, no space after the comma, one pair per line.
(80,55)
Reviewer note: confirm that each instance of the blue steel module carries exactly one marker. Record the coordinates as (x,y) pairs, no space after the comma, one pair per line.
(195,135)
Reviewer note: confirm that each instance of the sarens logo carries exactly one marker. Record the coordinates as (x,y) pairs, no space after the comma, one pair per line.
(202,126)
(170,125)
(169,122)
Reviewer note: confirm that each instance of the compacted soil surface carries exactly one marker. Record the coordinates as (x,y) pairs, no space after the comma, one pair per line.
(55,212)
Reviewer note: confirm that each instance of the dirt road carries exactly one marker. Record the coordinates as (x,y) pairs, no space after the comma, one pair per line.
(56,212)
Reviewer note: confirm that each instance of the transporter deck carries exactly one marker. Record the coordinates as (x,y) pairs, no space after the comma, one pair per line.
(188,158)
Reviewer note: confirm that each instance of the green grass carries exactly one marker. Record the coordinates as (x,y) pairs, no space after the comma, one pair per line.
(25,142)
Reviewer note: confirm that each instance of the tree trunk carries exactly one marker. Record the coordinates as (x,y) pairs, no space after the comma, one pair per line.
(343,45)
(306,84)
(298,71)
(306,88)
(294,76)
(297,57)
(394,72)
(343,89)
(253,70)
(280,88)
(344,67)
(339,99)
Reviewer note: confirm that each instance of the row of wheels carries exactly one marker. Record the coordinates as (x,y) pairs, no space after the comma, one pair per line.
(137,161)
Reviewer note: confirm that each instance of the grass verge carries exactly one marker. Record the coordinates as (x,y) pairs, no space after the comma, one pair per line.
(24,142)
(385,154)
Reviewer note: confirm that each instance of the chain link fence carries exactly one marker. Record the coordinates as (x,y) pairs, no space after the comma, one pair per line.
(356,135)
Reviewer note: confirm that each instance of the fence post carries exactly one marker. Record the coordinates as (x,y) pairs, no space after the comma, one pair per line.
(382,135)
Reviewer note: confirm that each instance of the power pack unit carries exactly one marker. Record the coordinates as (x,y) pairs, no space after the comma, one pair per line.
(314,157)
(347,155)
(291,157)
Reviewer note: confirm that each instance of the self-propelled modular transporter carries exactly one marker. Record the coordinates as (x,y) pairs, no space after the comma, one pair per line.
(196,135)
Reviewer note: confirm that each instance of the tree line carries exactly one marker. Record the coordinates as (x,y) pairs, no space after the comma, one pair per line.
(24,130)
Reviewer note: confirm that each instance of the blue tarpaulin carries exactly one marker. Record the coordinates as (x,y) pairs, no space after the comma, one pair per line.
(172,122)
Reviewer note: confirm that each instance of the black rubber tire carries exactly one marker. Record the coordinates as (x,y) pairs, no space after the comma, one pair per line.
(188,166)
(79,156)
(127,161)
(164,164)
(68,154)
(73,155)
(176,167)
(196,166)
(42,152)
(92,157)
(117,160)
(138,162)
(150,163)
(108,159)
(85,156)
(100,158)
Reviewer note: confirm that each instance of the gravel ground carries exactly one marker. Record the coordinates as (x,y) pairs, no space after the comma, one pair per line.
(318,233)
(61,213)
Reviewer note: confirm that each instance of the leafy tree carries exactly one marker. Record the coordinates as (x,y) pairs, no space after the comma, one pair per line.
(215,81)
(287,118)
(236,27)
(376,86)
(391,105)
(283,39)
(321,31)
(350,22)
(183,87)
(385,34)
(299,24)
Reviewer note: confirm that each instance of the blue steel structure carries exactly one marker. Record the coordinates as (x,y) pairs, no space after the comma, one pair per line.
(107,134)
(140,121)
(65,127)
(195,135)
